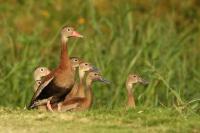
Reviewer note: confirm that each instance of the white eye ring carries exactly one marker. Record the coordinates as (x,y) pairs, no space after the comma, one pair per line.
(68,29)
(41,69)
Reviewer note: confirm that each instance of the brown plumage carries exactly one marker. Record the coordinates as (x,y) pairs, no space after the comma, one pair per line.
(131,80)
(84,102)
(59,82)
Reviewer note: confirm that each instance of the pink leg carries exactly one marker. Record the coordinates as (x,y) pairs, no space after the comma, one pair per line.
(59,107)
(49,106)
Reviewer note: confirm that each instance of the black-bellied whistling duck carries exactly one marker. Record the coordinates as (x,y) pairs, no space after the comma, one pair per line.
(91,77)
(60,81)
(85,102)
(131,80)
(38,74)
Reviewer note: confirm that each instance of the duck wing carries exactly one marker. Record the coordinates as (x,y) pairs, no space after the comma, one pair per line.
(47,80)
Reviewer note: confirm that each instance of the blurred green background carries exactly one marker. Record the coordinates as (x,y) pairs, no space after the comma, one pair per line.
(158,39)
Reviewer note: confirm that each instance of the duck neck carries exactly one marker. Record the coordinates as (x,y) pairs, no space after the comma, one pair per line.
(81,90)
(88,93)
(131,100)
(81,75)
(64,58)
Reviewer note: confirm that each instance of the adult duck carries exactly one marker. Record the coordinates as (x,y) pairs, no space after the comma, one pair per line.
(60,81)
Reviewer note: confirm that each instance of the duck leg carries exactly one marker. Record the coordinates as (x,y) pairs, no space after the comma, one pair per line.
(49,106)
(53,100)
(59,107)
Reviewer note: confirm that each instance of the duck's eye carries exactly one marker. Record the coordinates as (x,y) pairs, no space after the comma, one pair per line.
(134,76)
(95,74)
(86,64)
(76,60)
(39,82)
(68,29)
(41,69)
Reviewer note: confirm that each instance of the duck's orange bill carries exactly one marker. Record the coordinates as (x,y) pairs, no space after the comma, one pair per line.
(76,34)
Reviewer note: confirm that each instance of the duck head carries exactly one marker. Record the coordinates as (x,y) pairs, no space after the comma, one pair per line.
(75,61)
(134,78)
(68,32)
(86,66)
(40,72)
(96,76)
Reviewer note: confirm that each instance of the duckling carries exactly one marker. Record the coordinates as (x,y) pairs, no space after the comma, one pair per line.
(91,77)
(38,74)
(83,103)
(133,79)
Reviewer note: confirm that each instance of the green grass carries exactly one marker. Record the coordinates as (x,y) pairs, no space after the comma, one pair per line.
(157,39)
(101,120)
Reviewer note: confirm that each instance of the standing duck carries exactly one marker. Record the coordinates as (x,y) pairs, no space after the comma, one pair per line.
(60,81)
(85,102)
(131,80)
